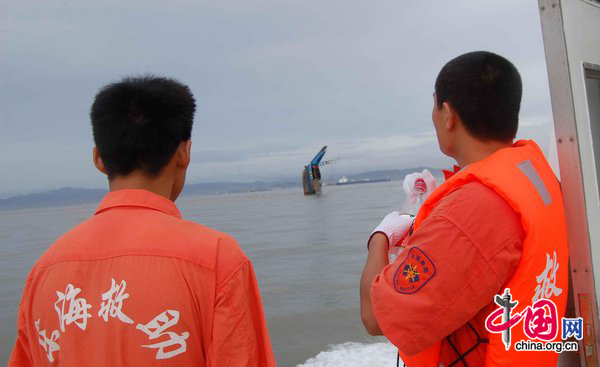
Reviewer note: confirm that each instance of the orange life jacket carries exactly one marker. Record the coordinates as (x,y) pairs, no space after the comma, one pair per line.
(521,175)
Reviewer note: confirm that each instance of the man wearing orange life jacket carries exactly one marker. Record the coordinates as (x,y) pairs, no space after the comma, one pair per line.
(497,223)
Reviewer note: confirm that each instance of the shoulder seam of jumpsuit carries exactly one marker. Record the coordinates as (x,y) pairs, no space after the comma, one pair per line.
(122,255)
(233,273)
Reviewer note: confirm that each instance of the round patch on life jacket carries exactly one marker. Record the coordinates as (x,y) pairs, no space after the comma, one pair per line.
(414,272)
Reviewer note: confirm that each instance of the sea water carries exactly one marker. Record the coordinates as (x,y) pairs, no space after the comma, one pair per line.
(308,253)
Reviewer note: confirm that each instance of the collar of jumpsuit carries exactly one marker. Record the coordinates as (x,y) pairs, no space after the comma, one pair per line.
(138,198)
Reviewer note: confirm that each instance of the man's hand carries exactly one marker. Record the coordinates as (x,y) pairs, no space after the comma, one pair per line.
(376,261)
(387,234)
(394,226)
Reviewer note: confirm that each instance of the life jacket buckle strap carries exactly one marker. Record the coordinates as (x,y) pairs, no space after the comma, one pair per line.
(461,357)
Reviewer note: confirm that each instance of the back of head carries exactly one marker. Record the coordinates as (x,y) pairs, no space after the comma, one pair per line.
(485,90)
(139,122)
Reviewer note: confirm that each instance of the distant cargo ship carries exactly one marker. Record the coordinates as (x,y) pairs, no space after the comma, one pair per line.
(345,181)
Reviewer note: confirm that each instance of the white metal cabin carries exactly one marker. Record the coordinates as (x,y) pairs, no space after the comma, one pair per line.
(571,32)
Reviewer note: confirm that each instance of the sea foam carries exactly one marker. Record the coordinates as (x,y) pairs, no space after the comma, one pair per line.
(355,354)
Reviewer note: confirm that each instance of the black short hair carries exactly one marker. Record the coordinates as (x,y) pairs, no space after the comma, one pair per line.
(139,122)
(485,90)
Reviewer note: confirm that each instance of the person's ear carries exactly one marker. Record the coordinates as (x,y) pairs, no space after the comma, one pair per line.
(184,153)
(98,161)
(450,116)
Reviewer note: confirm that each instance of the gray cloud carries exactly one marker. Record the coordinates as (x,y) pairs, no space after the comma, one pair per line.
(274,80)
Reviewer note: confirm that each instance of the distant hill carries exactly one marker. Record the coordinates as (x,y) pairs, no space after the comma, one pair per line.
(62,197)
(206,188)
(68,196)
(393,174)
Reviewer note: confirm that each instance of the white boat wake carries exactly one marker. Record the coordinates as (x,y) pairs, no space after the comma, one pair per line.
(355,354)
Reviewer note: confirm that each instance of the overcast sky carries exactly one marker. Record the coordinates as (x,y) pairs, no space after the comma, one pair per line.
(274,80)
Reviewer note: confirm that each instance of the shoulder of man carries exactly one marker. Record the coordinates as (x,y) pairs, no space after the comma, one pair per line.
(221,247)
(207,247)
(481,214)
(210,248)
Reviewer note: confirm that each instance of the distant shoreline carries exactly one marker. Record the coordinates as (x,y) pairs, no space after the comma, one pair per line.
(70,196)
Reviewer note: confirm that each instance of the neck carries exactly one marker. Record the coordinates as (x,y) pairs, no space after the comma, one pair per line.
(161,185)
(477,150)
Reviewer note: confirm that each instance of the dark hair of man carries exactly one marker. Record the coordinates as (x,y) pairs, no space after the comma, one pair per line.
(485,90)
(139,122)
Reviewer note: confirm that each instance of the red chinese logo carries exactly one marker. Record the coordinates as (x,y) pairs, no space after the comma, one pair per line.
(540,320)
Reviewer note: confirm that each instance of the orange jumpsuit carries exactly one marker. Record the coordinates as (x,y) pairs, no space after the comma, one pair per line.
(136,285)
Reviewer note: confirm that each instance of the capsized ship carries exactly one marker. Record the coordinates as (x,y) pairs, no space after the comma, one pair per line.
(311,175)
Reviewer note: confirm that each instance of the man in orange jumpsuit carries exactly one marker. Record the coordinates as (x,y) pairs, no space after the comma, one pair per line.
(135,284)
(497,223)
